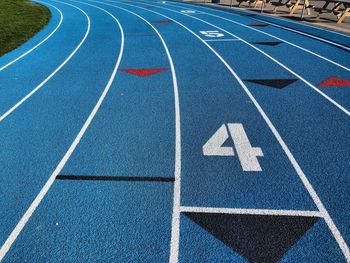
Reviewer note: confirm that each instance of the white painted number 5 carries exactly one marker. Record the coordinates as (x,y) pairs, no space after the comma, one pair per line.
(213,33)
(188,11)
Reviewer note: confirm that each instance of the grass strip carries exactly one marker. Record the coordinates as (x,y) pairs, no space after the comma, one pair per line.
(19,21)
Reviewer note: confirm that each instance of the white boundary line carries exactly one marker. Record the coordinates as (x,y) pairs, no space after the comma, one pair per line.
(308,25)
(277,18)
(329,221)
(270,35)
(41,42)
(21,224)
(221,40)
(332,101)
(175,225)
(305,34)
(248,211)
(14,107)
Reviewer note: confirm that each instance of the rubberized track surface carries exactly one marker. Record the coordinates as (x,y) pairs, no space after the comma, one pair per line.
(144,131)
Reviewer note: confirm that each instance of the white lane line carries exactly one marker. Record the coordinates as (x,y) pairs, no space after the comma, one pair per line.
(329,221)
(14,107)
(287,28)
(41,42)
(222,40)
(175,225)
(249,211)
(307,25)
(305,34)
(332,101)
(23,221)
(270,35)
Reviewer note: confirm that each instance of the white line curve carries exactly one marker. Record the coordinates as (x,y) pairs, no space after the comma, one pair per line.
(41,42)
(23,221)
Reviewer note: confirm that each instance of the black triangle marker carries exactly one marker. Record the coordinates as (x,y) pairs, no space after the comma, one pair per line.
(267,43)
(258,238)
(274,83)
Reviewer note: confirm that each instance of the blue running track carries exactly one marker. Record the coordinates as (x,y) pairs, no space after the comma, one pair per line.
(164,131)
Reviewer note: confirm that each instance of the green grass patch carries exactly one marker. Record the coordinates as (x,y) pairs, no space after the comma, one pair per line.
(19,21)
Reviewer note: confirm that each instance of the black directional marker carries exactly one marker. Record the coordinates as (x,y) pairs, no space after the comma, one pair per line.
(274,83)
(258,238)
(258,25)
(113,178)
(267,43)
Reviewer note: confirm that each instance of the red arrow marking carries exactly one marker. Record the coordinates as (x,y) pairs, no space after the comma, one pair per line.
(335,82)
(143,72)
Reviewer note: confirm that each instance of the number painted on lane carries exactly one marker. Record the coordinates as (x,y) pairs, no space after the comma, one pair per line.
(212,33)
(214,146)
(247,154)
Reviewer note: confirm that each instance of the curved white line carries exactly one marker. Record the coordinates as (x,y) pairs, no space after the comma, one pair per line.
(265,33)
(324,95)
(23,221)
(175,229)
(40,43)
(306,34)
(329,221)
(288,21)
(14,107)
(308,25)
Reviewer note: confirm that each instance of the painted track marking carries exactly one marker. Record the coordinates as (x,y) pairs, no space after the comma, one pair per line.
(113,178)
(329,221)
(175,224)
(249,211)
(290,29)
(275,37)
(41,42)
(308,35)
(221,40)
(213,147)
(332,101)
(247,154)
(23,221)
(14,107)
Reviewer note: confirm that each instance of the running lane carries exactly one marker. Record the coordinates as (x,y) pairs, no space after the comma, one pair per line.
(311,67)
(313,128)
(54,24)
(35,137)
(294,44)
(210,182)
(313,32)
(112,202)
(275,33)
(20,78)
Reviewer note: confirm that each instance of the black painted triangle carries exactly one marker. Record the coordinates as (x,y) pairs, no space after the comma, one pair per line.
(268,43)
(258,238)
(274,83)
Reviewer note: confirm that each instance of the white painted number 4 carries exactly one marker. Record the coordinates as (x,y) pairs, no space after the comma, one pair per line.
(213,33)
(247,154)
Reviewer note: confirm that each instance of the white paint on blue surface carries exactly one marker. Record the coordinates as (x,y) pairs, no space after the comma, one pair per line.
(247,154)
